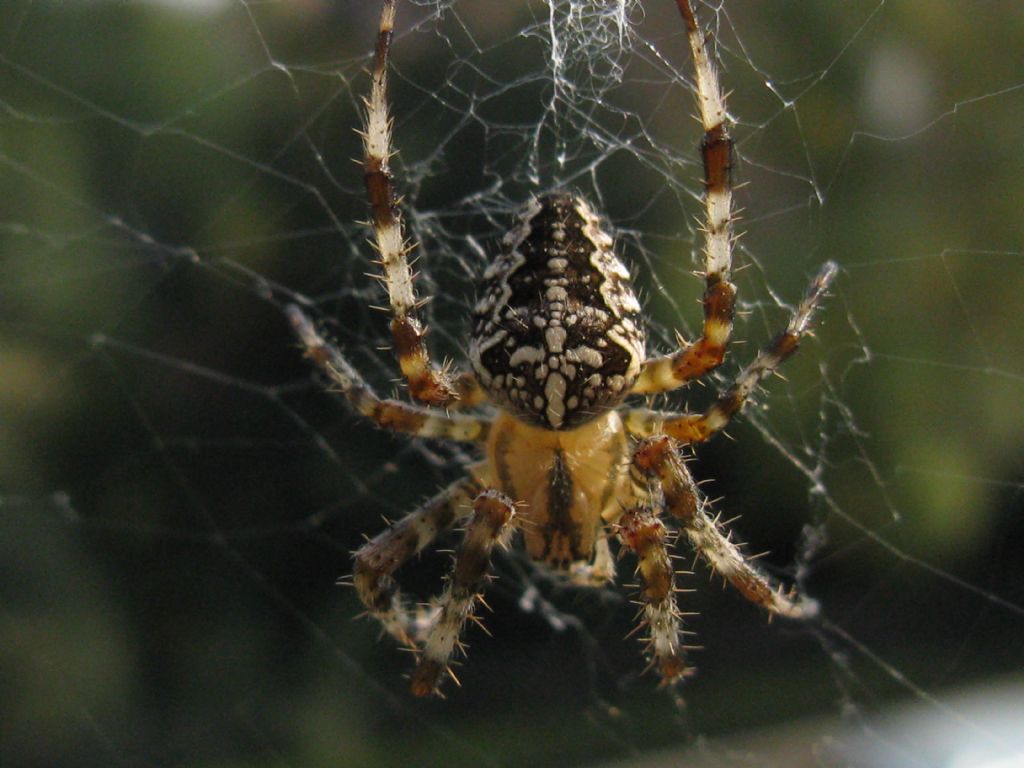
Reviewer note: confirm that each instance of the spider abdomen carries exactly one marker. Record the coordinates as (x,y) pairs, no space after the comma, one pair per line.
(557,336)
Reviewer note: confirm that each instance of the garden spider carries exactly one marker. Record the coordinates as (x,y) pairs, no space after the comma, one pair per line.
(557,346)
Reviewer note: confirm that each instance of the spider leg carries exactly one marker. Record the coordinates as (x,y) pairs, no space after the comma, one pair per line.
(642,532)
(695,428)
(427,383)
(670,371)
(657,459)
(378,559)
(387,414)
(492,511)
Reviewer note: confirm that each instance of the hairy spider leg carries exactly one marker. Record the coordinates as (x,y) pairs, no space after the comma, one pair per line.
(660,374)
(658,459)
(643,533)
(427,383)
(387,414)
(378,559)
(492,513)
(696,428)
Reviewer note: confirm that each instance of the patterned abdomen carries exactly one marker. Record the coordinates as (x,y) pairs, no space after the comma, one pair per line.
(557,336)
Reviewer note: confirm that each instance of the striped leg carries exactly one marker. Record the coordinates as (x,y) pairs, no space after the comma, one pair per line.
(427,384)
(492,512)
(695,428)
(657,459)
(671,371)
(387,414)
(646,535)
(378,559)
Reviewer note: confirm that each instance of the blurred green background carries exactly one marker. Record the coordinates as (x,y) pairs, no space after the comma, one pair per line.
(178,496)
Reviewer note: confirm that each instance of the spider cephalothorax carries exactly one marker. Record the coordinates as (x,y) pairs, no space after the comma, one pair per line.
(557,346)
(557,333)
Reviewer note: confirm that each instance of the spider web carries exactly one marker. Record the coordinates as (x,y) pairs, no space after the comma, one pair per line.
(178,495)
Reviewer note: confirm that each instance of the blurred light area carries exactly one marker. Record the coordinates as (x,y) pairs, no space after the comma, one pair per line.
(899,92)
(976,728)
(184,6)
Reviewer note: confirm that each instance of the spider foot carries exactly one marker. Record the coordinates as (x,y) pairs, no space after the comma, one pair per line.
(426,678)
(793,605)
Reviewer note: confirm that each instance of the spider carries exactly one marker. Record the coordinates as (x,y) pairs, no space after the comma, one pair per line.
(556,348)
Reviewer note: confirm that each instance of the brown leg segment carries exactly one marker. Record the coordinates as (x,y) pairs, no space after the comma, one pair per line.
(696,428)
(378,559)
(645,535)
(427,384)
(716,148)
(492,512)
(387,414)
(657,459)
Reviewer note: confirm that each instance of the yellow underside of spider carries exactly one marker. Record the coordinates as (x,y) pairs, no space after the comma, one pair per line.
(569,483)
